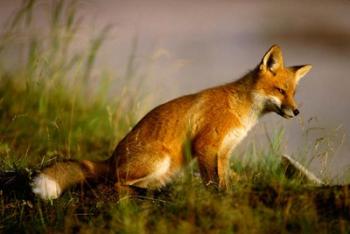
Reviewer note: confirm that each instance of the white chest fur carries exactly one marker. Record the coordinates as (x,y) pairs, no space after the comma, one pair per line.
(236,135)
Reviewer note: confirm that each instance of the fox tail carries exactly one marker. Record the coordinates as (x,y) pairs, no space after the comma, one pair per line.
(55,179)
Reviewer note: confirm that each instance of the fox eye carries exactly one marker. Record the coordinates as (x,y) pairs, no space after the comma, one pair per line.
(281,91)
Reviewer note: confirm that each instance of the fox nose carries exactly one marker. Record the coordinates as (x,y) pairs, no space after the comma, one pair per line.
(296,112)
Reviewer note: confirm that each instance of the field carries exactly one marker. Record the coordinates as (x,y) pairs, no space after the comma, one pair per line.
(55,105)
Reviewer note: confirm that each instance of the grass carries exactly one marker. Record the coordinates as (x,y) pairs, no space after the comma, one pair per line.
(53,107)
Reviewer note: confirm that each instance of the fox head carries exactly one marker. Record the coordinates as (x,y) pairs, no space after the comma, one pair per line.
(275,84)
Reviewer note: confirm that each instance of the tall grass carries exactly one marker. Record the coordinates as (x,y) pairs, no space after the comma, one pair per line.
(54,103)
(51,103)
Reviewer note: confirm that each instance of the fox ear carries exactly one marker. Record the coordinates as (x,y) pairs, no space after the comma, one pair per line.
(301,71)
(272,60)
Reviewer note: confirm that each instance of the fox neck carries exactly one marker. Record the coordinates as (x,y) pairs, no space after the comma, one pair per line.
(244,88)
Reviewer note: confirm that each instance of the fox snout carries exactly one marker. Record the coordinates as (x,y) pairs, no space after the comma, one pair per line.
(288,112)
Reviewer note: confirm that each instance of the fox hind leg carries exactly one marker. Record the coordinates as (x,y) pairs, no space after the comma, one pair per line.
(145,174)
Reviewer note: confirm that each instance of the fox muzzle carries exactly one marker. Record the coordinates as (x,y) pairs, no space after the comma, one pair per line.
(288,113)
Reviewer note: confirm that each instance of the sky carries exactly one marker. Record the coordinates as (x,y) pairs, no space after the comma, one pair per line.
(186,46)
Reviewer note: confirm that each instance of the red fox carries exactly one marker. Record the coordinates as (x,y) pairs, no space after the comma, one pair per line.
(214,121)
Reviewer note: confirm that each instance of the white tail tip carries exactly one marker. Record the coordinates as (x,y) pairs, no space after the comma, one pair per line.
(46,187)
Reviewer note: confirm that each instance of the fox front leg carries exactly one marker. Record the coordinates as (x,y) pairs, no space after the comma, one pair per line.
(223,168)
(208,168)
(214,170)
(213,146)
(212,167)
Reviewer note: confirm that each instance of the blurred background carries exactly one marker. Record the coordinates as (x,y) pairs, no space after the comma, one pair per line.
(179,47)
